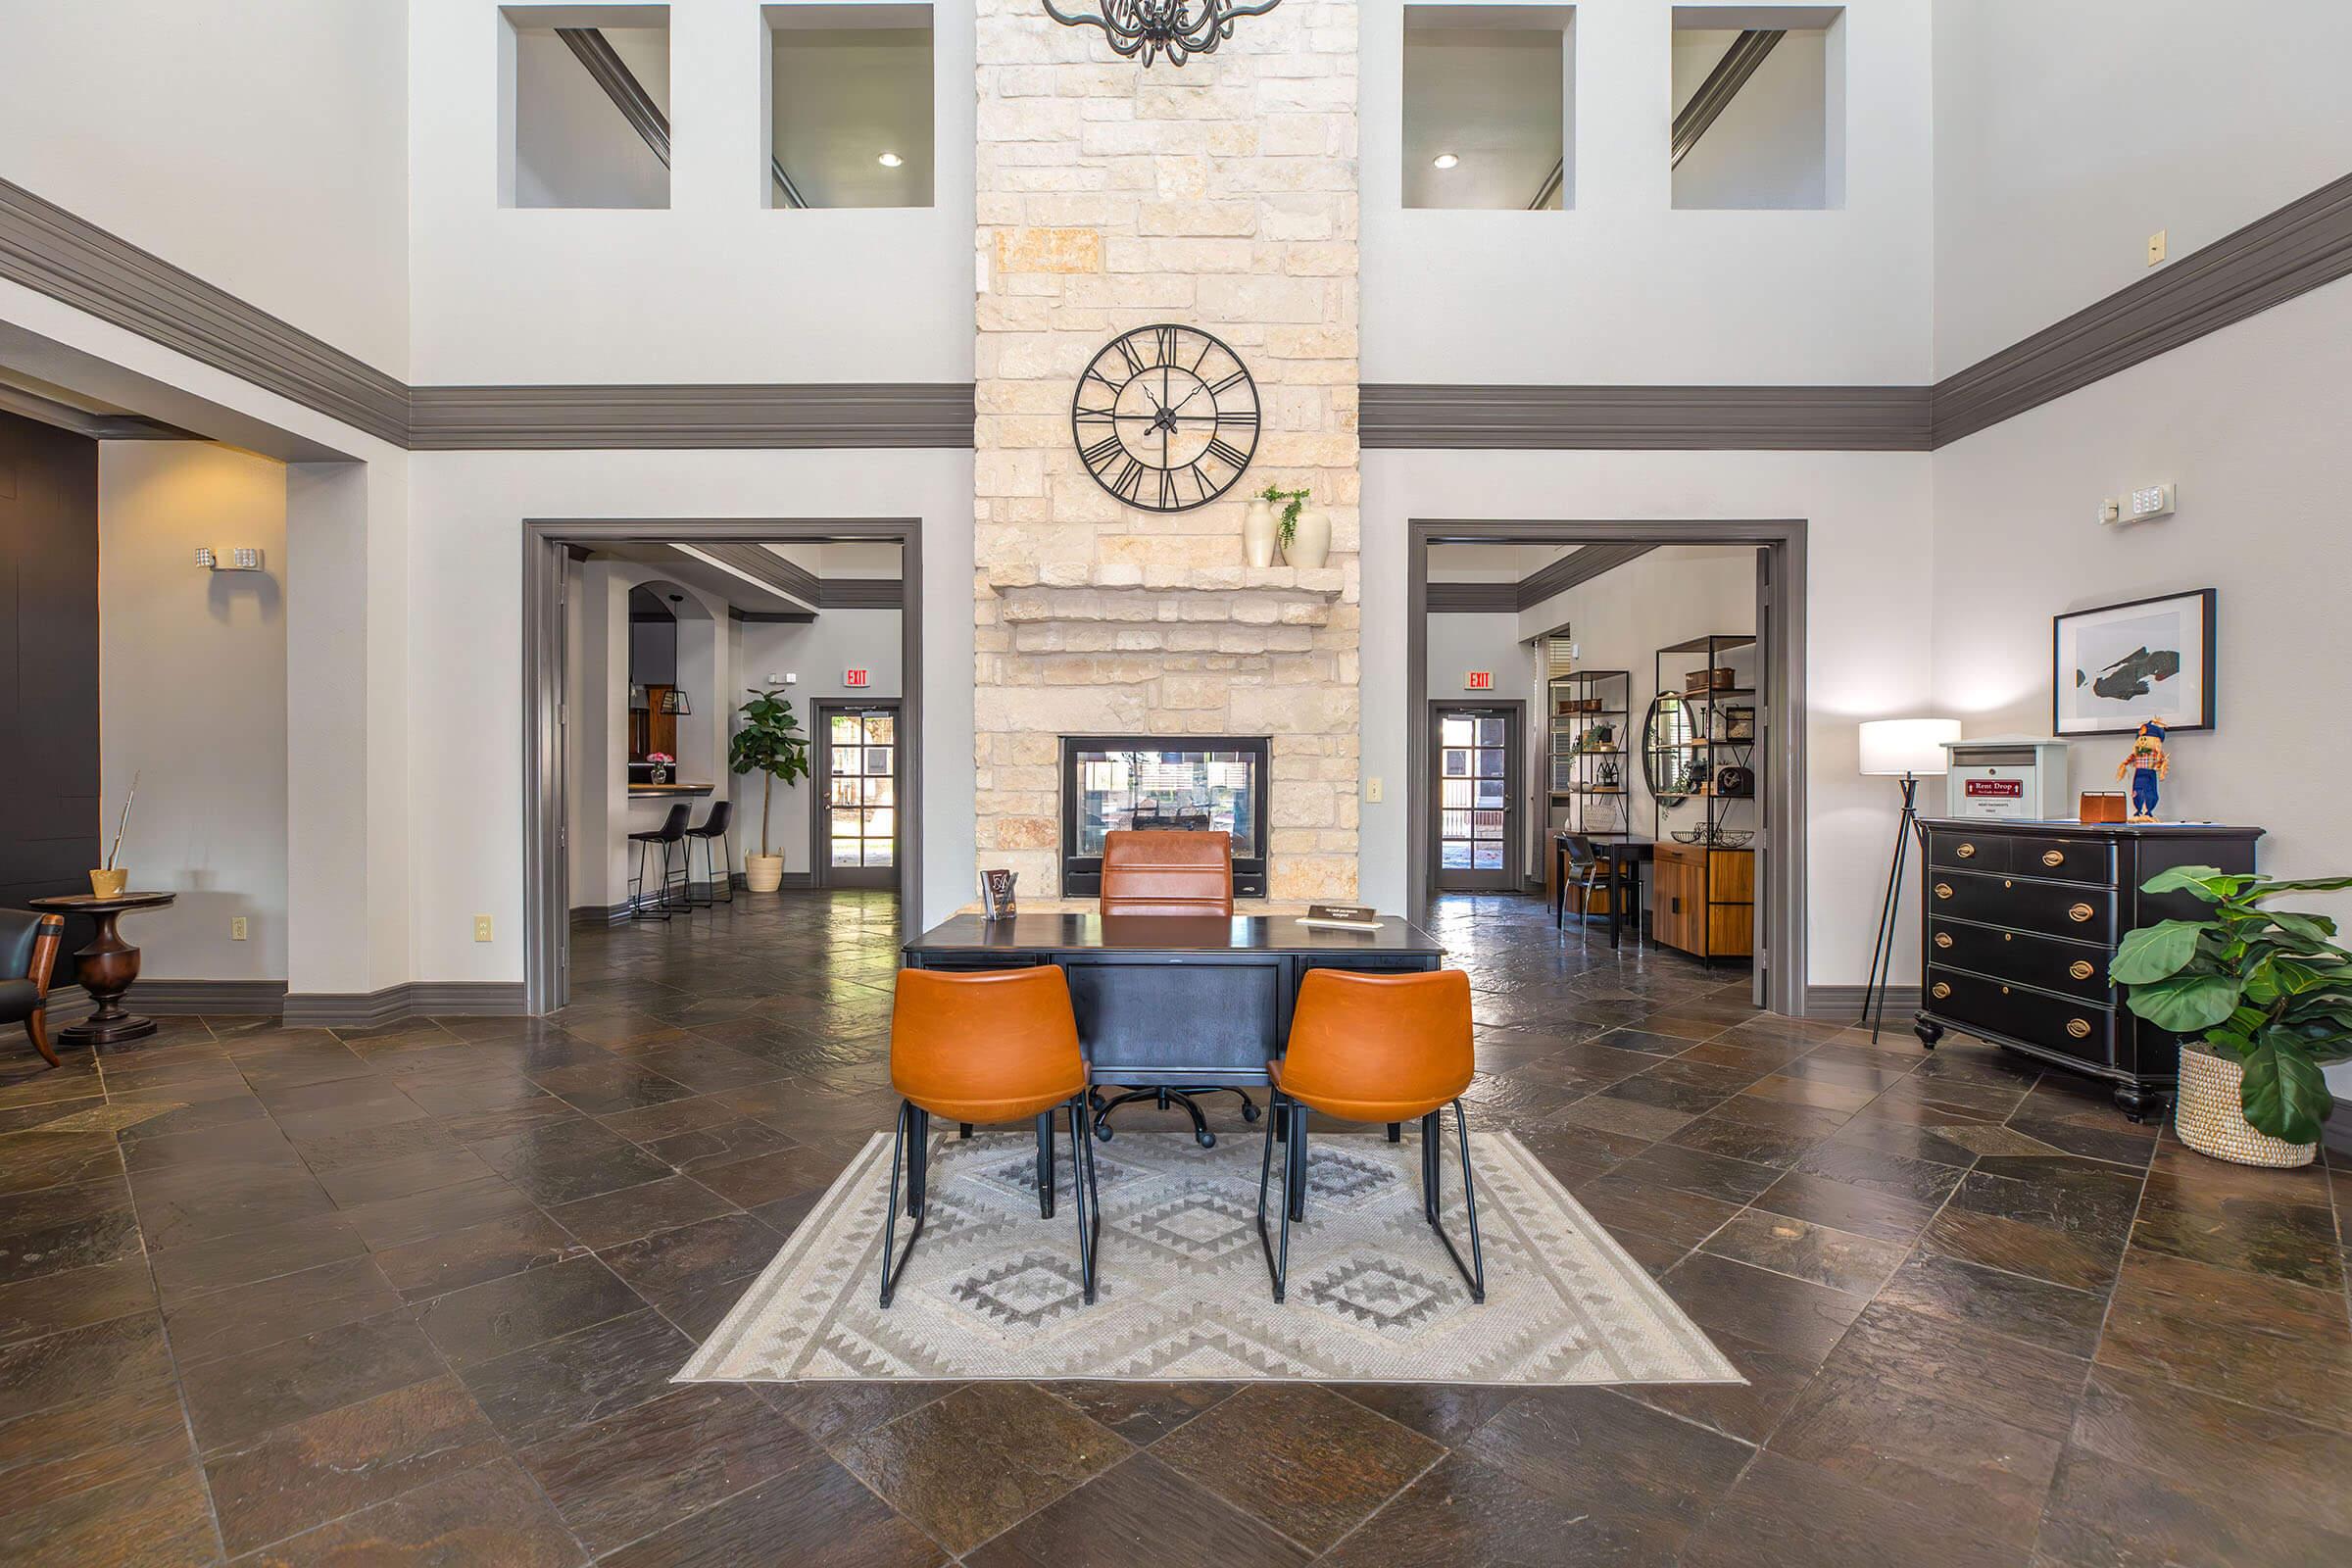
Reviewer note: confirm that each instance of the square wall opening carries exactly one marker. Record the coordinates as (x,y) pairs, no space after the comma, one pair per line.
(849,106)
(584,105)
(1759,107)
(1490,98)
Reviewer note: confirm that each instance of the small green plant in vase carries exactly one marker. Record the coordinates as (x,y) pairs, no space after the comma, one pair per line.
(771,744)
(2269,993)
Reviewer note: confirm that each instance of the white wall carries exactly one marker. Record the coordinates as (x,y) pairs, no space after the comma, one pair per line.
(466,562)
(192,684)
(572,147)
(1868,652)
(2067,135)
(1626,289)
(819,652)
(2250,422)
(261,144)
(717,286)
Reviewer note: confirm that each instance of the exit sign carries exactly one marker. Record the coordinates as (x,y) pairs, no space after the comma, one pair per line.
(853,678)
(1478,680)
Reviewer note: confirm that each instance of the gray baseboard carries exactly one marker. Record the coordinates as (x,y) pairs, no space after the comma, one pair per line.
(178,999)
(1846,1001)
(418,999)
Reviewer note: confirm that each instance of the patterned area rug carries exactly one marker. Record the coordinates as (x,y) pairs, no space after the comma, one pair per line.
(994,1291)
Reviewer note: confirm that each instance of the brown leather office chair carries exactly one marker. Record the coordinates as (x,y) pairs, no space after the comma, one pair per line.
(1374,1047)
(28,945)
(1167,873)
(993,1046)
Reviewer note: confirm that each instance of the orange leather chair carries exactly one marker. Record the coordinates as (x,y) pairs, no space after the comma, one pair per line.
(1374,1047)
(1150,873)
(995,1046)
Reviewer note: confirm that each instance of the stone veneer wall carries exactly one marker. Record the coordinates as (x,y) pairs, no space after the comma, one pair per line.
(1222,195)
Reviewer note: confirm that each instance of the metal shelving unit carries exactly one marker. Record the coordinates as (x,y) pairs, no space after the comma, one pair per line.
(1705,869)
(1591,774)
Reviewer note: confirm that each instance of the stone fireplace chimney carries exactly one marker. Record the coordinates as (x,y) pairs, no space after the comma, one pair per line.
(1111,196)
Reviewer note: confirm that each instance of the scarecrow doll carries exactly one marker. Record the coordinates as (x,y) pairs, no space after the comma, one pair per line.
(2146,768)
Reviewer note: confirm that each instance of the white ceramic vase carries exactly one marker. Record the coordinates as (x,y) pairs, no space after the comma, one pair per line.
(1310,538)
(1257,533)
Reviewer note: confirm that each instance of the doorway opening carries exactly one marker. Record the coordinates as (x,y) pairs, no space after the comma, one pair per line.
(1636,687)
(625,720)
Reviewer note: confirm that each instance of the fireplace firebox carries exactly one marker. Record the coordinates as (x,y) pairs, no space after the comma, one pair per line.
(1200,783)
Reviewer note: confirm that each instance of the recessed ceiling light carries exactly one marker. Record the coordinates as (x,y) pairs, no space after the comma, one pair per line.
(1445,161)
(891,159)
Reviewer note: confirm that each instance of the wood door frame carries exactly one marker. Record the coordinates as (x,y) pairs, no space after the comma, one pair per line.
(820,860)
(1780,758)
(1514,824)
(547,543)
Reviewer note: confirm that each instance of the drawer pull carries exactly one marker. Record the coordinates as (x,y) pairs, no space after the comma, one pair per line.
(2053,856)
(2078,1028)
(2080,912)
(1943,890)
(2004,991)
(1943,939)
(2080,969)
(1966,851)
(1939,991)
(2005,882)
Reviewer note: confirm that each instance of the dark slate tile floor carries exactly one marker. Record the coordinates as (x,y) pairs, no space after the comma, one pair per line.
(415,1295)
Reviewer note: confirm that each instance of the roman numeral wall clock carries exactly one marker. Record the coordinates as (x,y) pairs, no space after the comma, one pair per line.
(1166,417)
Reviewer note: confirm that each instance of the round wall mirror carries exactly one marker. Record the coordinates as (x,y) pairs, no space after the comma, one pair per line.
(1667,754)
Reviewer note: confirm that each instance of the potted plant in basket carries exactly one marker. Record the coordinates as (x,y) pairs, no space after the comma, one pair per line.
(2269,993)
(770,743)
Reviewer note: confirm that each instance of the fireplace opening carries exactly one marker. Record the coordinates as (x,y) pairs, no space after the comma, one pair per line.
(1209,783)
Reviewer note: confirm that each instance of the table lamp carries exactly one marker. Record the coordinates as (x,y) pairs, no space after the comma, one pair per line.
(1904,749)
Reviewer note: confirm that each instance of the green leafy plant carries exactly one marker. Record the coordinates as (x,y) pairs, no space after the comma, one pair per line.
(771,744)
(1286,527)
(2267,987)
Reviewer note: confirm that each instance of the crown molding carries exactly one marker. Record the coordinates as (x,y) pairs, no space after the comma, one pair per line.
(1635,419)
(2292,251)
(554,419)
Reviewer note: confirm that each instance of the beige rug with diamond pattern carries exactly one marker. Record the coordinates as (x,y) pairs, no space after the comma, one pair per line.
(993,1290)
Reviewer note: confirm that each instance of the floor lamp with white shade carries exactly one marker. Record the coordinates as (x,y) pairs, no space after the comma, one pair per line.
(1908,749)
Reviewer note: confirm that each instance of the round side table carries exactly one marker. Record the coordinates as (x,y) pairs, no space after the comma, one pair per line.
(106,968)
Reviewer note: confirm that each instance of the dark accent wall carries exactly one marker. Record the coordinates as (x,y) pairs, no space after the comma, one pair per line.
(48,665)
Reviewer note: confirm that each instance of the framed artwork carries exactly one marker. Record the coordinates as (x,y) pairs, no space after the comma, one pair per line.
(2115,667)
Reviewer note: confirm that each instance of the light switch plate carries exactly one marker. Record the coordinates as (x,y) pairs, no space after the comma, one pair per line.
(2156,247)
(1373,792)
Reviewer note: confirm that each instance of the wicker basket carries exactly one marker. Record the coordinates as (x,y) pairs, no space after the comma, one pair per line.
(2212,1119)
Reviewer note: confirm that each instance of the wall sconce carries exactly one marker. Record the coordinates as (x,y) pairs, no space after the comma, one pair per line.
(243,558)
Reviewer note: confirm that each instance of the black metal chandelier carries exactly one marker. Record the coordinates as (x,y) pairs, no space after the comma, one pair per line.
(1177,29)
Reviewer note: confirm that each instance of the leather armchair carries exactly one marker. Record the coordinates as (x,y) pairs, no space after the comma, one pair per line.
(28,945)
(1150,873)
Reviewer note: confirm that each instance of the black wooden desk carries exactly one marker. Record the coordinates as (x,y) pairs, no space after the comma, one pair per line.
(1624,854)
(1175,1000)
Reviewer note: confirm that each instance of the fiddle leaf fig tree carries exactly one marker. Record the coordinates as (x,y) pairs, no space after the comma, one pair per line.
(2269,988)
(770,743)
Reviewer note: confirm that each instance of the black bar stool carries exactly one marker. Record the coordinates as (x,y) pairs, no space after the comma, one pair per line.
(713,830)
(671,831)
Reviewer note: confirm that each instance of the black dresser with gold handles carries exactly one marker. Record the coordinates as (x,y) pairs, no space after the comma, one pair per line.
(2021,921)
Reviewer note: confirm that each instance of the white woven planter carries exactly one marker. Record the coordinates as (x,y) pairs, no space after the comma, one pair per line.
(2212,1119)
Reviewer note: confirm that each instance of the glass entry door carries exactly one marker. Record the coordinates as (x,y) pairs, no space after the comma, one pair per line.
(1476,750)
(857,786)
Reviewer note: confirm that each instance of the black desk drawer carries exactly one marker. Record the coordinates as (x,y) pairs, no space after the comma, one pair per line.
(2069,968)
(1969,851)
(2072,1028)
(2083,914)
(2064,860)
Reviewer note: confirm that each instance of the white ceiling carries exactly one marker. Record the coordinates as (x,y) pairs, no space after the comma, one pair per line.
(851,558)
(1491,87)
(724,586)
(1492,563)
(846,85)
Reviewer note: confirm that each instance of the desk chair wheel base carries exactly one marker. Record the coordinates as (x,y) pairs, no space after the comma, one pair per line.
(1165,1097)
